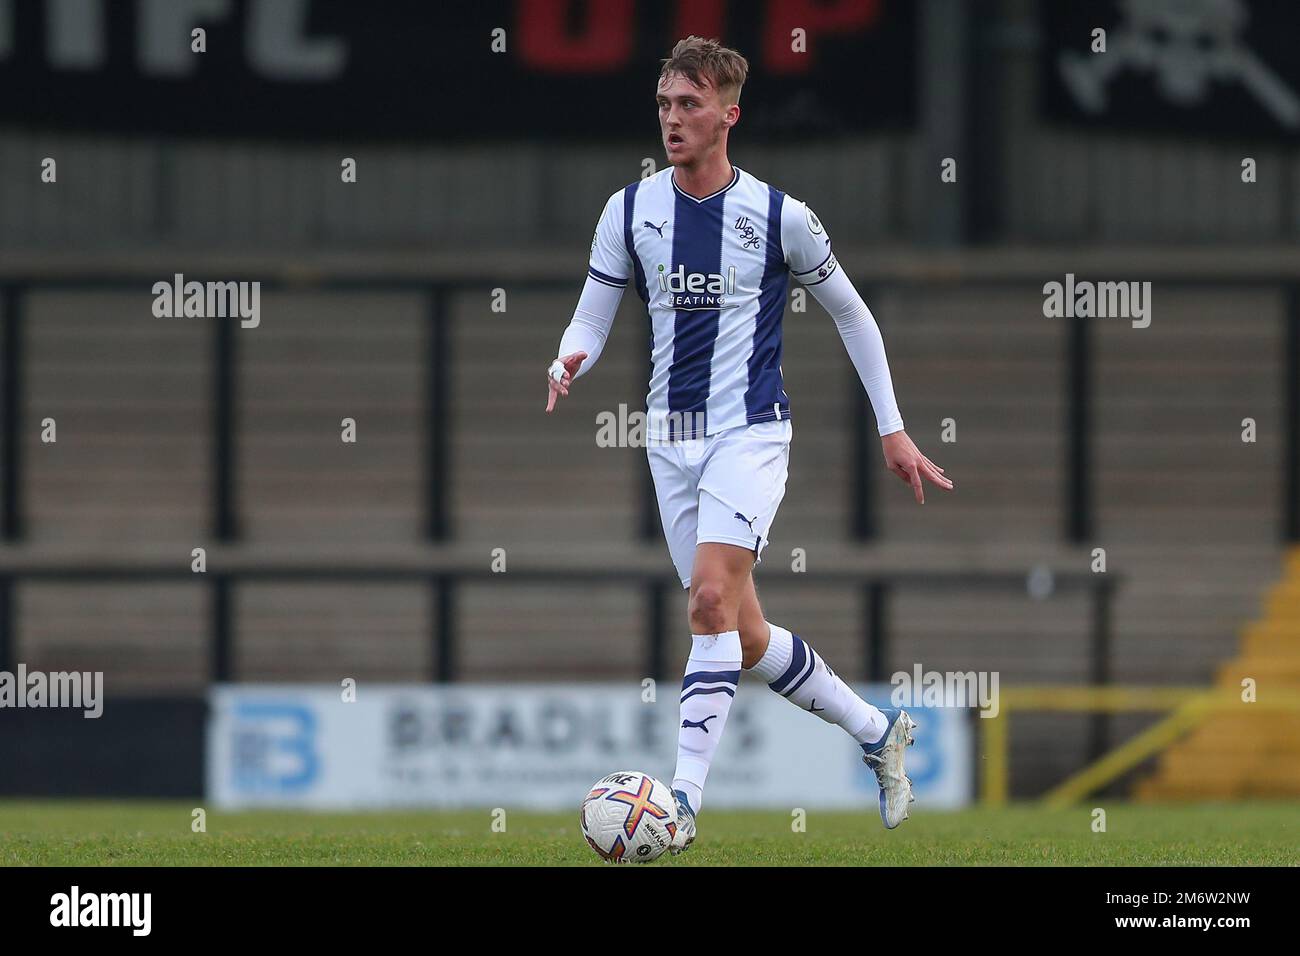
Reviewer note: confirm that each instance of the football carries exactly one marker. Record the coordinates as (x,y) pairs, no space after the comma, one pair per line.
(629,817)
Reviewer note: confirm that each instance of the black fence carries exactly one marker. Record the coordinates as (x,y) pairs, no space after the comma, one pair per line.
(876,590)
(1076,377)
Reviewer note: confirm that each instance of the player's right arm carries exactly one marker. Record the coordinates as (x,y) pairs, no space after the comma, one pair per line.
(607,277)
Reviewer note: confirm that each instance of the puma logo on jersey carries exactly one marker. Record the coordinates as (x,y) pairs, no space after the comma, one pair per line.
(659,228)
(748,521)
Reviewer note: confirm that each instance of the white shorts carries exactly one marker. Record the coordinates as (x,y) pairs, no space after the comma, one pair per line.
(724,488)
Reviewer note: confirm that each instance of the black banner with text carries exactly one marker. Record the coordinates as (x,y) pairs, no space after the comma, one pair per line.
(327,69)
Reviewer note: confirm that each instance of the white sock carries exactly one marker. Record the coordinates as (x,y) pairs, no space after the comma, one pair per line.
(795,671)
(712,673)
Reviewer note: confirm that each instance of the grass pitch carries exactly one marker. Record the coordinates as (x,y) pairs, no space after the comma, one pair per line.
(128,833)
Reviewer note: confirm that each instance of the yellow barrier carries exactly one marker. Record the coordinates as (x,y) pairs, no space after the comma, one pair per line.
(1188,707)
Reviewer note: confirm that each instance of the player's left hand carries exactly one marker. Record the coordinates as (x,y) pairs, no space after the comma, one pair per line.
(904,459)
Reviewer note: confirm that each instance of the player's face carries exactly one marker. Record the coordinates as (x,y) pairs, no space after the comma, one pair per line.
(692,119)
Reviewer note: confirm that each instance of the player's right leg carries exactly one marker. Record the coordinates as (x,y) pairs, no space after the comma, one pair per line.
(790,666)
(711,673)
(718,582)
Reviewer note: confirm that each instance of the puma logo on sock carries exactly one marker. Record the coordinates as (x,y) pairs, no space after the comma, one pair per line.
(699,723)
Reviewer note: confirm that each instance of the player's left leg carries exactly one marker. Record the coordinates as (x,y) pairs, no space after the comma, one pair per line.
(790,666)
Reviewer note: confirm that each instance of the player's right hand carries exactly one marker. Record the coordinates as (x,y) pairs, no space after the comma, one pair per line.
(571,365)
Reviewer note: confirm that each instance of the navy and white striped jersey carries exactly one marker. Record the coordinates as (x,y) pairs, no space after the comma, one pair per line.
(713,273)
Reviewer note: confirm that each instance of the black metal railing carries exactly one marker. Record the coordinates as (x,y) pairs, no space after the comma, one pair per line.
(875,587)
(444,583)
(1077,519)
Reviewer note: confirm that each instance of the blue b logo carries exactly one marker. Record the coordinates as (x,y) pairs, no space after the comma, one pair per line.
(273,748)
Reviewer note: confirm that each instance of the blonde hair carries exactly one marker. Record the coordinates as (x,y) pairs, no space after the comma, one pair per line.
(701,60)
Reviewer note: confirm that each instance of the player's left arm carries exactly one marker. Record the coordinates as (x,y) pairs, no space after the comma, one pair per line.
(866,348)
(808,253)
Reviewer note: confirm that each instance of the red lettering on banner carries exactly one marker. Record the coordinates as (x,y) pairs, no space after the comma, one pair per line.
(844,16)
(603,42)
